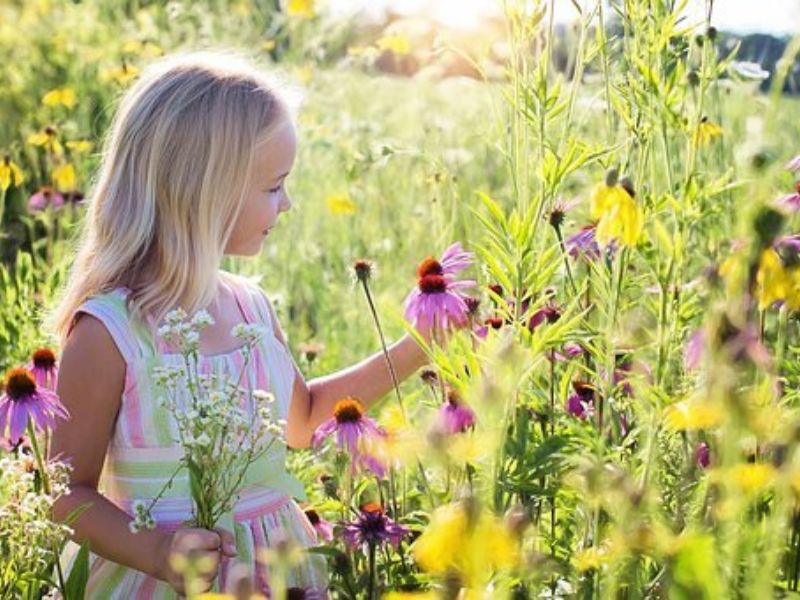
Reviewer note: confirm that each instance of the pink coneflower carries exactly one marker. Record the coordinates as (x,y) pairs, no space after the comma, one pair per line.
(549,313)
(323,528)
(23,401)
(354,433)
(694,349)
(455,416)
(438,297)
(373,528)
(567,351)
(44,368)
(794,164)
(46,196)
(455,259)
(581,403)
(790,202)
(583,243)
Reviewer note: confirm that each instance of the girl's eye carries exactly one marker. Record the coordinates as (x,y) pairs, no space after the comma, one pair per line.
(275,190)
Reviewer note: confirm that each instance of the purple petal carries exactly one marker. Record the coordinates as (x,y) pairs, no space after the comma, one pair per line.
(323,431)
(19,419)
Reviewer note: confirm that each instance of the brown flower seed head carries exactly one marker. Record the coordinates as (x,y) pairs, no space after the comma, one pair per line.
(612,176)
(429,266)
(348,410)
(20,383)
(432,284)
(363,269)
(44,358)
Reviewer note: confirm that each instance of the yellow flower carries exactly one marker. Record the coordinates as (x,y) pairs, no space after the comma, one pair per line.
(9,172)
(772,280)
(64,177)
(604,197)
(394,42)
(123,74)
(65,96)
(303,73)
(410,596)
(79,146)
(47,138)
(305,9)
(468,540)
(749,477)
(621,218)
(691,415)
(268,45)
(592,558)
(706,132)
(341,204)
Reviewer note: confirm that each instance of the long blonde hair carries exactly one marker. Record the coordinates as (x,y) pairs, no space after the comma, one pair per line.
(174,172)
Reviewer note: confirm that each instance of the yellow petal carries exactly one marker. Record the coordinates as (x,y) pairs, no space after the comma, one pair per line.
(692,415)
(65,96)
(64,177)
(341,204)
(304,9)
(79,146)
(397,43)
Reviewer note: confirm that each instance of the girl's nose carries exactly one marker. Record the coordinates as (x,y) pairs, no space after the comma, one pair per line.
(286,203)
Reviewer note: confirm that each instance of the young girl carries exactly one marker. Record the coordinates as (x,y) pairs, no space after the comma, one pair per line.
(194,168)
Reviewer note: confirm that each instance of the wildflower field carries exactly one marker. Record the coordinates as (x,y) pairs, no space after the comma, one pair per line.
(609,220)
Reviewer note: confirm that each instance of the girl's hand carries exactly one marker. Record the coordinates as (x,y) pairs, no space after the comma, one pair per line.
(202,547)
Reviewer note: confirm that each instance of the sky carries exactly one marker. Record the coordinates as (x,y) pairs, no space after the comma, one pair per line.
(746,16)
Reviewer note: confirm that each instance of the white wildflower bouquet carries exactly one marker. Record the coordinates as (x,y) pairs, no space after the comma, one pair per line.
(223,427)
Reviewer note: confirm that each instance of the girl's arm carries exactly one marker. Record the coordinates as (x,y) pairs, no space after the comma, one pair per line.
(90,384)
(368,380)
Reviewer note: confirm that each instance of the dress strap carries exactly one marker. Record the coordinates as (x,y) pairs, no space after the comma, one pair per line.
(253,302)
(111,309)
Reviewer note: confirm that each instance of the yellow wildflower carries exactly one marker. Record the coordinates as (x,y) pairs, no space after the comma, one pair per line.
(622,221)
(268,45)
(123,74)
(79,146)
(394,42)
(748,477)
(304,9)
(706,132)
(410,596)
(303,73)
(772,280)
(64,177)
(691,415)
(468,540)
(592,558)
(9,172)
(48,139)
(341,204)
(65,96)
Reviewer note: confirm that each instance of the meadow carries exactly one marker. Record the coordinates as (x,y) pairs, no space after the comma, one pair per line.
(618,418)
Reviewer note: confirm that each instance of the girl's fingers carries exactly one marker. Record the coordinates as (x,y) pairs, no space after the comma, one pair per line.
(228,541)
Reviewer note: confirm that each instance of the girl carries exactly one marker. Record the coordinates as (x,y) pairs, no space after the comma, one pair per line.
(194,168)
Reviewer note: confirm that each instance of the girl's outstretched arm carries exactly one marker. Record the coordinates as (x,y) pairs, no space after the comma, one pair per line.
(367,380)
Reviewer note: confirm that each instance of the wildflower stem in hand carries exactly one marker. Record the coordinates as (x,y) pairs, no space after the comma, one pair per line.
(392,372)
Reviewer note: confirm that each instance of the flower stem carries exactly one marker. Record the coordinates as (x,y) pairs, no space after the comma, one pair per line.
(39,458)
(392,372)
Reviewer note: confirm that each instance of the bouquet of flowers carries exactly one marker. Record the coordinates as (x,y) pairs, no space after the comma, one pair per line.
(222,426)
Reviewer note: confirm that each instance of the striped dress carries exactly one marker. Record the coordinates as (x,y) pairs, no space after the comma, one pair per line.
(143,454)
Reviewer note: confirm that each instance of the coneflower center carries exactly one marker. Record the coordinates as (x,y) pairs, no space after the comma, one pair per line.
(20,383)
(348,410)
(432,284)
(584,390)
(430,266)
(44,357)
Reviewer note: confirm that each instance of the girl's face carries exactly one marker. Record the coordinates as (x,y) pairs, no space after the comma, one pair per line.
(266,196)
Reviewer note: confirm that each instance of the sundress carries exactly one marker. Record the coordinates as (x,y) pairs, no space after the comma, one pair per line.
(143,454)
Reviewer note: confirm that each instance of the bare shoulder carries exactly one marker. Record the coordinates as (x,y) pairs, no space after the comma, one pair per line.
(91,364)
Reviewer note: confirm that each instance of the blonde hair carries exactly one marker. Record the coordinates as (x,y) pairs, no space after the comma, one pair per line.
(174,172)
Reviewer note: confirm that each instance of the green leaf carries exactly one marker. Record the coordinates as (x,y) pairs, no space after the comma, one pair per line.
(75,587)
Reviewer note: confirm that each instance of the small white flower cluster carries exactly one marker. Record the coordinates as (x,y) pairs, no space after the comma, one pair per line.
(222,426)
(31,541)
(142,519)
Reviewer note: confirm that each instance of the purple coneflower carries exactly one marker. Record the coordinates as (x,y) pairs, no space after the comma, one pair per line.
(549,313)
(583,243)
(438,297)
(454,415)
(323,528)
(44,368)
(454,260)
(373,528)
(693,352)
(354,433)
(791,202)
(581,403)
(794,164)
(23,401)
(43,198)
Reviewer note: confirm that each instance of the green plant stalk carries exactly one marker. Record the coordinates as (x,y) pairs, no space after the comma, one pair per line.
(40,463)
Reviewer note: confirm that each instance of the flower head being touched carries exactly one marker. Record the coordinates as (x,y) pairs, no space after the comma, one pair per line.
(438,298)
(373,528)
(455,416)
(44,369)
(355,434)
(24,401)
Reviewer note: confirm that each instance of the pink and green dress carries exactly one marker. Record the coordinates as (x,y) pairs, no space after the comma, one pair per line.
(143,454)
